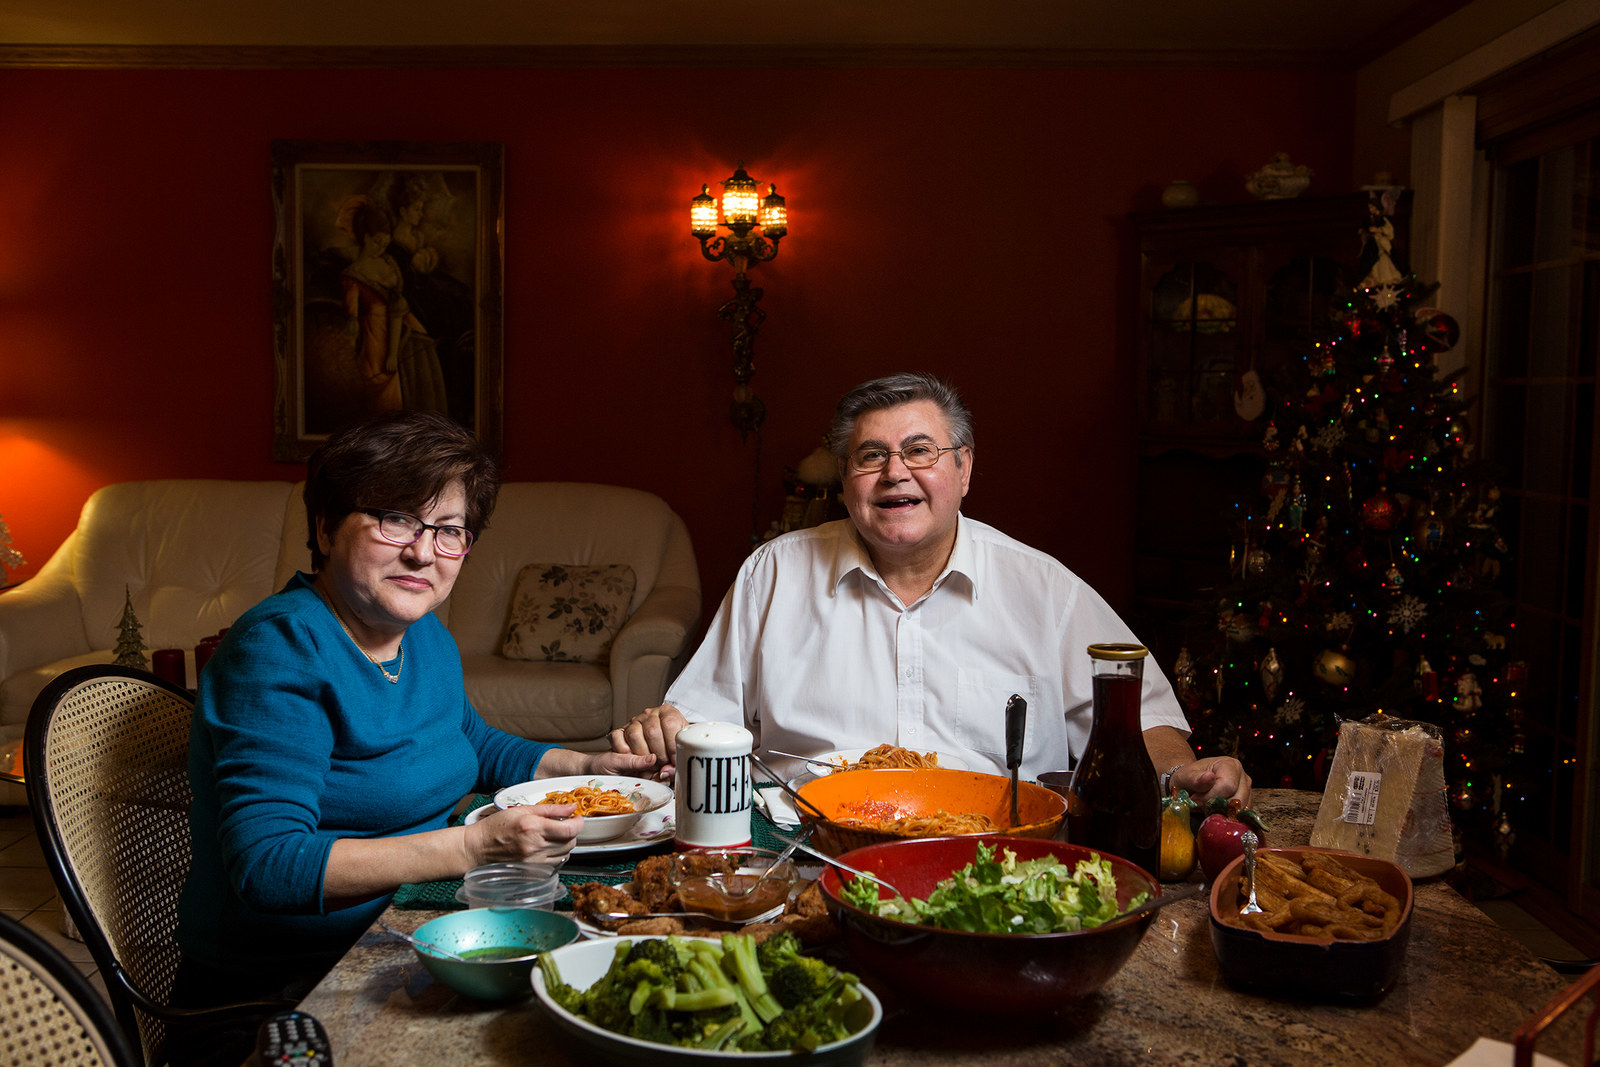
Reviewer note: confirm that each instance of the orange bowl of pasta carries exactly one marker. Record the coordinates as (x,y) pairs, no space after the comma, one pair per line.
(610,804)
(868,807)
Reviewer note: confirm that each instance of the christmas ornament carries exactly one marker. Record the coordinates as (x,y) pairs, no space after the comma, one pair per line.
(1380,511)
(1183,680)
(1440,329)
(130,642)
(1430,531)
(1469,694)
(1504,835)
(1271,674)
(1256,563)
(1407,614)
(1334,668)
(1463,796)
(1427,679)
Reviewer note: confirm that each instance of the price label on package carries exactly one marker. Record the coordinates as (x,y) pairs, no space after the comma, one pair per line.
(1361,797)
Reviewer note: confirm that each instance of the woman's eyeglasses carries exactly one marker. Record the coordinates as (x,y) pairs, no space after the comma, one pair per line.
(402,529)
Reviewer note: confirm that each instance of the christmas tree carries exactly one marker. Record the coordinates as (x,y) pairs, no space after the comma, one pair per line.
(130,639)
(1365,576)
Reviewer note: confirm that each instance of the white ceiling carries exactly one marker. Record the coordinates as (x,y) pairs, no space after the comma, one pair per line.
(1329,29)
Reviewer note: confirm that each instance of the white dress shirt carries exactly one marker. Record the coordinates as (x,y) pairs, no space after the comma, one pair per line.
(813,653)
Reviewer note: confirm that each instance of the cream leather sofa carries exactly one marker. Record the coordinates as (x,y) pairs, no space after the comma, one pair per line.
(195,554)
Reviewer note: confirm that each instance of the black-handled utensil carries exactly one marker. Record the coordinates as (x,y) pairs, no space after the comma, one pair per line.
(1169,896)
(1016,729)
(794,795)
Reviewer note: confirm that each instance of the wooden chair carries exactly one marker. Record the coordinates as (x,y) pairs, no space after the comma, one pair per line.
(52,1014)
(1584,990)
(107,752)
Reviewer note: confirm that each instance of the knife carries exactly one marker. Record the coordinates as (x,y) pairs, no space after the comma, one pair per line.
(1016,723)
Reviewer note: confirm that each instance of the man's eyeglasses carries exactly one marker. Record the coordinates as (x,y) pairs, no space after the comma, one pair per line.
(867,459)
(403,529)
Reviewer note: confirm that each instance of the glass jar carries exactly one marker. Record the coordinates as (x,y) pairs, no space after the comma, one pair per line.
(1114,804)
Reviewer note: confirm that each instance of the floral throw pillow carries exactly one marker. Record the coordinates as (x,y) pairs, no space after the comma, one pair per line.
(568,613)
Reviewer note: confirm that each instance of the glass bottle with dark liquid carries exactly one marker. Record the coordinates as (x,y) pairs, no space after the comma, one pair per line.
(1115,803)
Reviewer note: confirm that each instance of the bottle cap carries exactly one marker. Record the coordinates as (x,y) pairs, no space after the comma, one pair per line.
(1117,652)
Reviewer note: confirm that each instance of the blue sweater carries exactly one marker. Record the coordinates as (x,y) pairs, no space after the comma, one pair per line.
(299,740)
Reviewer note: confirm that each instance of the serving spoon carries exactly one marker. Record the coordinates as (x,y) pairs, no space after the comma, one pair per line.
(1249,840)
(830,861)
(814,760)
(417,942)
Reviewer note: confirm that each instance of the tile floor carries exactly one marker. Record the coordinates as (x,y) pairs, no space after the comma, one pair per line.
(27,894)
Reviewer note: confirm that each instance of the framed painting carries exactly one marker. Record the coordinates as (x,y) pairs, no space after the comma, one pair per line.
(387,291)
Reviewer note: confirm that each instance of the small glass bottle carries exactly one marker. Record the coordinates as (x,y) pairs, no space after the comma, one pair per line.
(1115,802)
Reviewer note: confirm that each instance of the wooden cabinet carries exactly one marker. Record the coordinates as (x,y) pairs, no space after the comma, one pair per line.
(1229,299)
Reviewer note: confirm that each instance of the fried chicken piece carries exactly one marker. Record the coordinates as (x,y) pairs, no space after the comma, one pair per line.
(651,926)
(591,897)
(653,886)
(808,903)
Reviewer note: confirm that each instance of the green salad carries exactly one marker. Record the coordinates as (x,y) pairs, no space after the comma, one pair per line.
(1006,896)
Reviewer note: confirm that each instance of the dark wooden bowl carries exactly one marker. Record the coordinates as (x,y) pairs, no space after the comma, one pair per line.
(1317,967)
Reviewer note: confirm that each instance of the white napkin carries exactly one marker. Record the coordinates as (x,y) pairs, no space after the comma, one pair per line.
(1487,1052)
(776,805)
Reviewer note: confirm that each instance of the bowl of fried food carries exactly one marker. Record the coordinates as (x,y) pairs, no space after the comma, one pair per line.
(610,804)
(861,808)
(990,925)
(650,904)
(1332,924)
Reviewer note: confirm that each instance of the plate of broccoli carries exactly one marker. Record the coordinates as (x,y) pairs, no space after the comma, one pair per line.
(655,1000)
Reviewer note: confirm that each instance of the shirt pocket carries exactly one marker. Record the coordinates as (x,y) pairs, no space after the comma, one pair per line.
(981,698)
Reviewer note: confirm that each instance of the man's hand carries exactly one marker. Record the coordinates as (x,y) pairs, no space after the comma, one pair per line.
(653,732)
(1214,776)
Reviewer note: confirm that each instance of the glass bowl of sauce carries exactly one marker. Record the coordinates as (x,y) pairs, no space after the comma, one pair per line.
(732,884)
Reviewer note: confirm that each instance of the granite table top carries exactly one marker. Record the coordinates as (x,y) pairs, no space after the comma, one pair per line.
(1463,978)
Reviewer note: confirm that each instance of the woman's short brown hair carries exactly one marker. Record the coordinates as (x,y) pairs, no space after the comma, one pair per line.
(401,460)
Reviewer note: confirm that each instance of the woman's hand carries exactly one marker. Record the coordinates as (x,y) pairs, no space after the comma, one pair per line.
(653,732)
(530,832)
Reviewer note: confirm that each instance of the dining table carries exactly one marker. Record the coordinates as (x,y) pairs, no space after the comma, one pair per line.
(1464,978)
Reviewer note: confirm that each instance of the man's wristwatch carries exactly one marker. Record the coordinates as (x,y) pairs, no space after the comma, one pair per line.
(1166,779)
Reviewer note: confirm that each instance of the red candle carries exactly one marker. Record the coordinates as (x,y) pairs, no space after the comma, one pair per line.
(167,664)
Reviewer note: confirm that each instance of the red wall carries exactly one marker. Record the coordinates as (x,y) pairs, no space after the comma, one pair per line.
(969,223)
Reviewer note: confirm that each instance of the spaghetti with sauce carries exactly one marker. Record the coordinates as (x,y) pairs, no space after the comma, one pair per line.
(891,757)
(592,801)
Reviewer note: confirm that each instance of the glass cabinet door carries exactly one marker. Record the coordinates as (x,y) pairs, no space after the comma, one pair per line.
(1195,348)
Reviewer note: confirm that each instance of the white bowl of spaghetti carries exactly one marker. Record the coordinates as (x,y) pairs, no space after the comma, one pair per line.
(609,804)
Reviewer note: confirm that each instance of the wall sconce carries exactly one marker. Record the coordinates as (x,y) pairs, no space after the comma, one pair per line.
(755,226)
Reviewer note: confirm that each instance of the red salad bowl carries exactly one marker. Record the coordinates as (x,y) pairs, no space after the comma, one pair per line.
(980,972)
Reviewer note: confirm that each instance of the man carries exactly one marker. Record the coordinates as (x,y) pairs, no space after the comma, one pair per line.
(911,624)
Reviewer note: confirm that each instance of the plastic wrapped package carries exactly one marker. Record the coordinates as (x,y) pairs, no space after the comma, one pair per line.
(1385,795)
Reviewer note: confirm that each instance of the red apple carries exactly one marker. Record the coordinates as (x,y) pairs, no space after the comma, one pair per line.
(1218,840)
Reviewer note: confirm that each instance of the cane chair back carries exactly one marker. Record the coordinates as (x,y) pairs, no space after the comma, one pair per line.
(52,1014)
(108,782)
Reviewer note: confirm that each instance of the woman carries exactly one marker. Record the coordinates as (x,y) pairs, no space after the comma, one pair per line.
(332,737)
(394,353)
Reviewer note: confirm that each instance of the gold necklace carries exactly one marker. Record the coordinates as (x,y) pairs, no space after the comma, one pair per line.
(393,678)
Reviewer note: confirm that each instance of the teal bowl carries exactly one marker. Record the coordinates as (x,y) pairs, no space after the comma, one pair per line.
(485,936)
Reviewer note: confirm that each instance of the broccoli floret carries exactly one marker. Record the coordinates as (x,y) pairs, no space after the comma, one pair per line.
(778,948)
(664,951)
(739,959)
(804,980)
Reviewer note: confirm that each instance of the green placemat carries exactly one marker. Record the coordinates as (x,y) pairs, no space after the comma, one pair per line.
(441,896)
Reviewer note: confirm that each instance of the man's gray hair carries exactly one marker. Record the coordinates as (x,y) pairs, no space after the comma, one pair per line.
(891,392)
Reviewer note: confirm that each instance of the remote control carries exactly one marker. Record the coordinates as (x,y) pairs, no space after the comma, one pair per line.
(293,1039)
